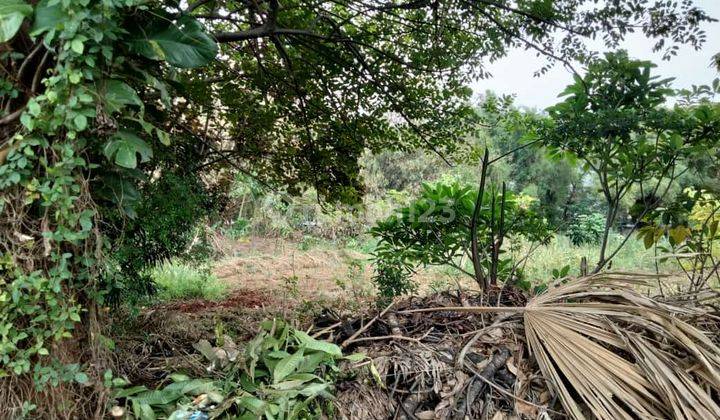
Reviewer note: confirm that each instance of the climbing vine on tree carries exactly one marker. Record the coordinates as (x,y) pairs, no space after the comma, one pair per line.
(83,124)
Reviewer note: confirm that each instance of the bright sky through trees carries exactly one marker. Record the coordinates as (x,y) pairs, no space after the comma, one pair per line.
(514,73)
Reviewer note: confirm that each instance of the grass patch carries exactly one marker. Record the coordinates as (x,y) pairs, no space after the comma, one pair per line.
(182,281)
(561,252)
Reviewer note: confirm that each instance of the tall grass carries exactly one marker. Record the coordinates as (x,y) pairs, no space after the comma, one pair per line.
(561,252)
(177,280)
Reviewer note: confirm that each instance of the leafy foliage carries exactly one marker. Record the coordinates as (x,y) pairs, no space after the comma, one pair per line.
(146,404)
(12,14)
(76,106)
(166,223)
(320,79)
(435,230)
(287,374)
(103,109)
(613,120)
(690,225)
(586,229)
(282,373)
(392,277)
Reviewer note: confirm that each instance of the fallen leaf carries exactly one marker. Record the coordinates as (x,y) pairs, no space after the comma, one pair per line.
(425,415)
(511,365)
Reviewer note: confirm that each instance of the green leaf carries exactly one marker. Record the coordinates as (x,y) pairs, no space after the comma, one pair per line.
(356,357)
(124,147)
(86,221)
(191,387)
(47,17)
(157,397)
(376,375)
(287,366)
(81,378)
(12,14)
(33,108)
(251,403)
(163,136)
(317,345)
(80,122)
(143,411)
(179,377)
(313,390)
(77,46)
(117,94)
(184,44)
(127,392)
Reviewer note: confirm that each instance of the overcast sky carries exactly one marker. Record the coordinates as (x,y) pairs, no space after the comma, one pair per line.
(514,73)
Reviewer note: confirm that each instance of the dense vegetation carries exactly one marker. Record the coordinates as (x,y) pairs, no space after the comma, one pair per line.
(130,126)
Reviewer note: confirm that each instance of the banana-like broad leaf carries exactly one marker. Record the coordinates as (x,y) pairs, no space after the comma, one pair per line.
(184,44)
(287,366)
(317,345)
(12,14)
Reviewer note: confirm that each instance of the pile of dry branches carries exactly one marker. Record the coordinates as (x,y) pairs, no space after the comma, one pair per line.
(589,347)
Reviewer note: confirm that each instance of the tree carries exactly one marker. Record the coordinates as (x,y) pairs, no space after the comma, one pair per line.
(326,80)
(615,121)
(436,229)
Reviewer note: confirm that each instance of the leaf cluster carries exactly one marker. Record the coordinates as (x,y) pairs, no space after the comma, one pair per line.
(435,228)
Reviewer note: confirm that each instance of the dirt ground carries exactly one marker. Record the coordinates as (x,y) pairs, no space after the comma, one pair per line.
(319,272)
(281,266)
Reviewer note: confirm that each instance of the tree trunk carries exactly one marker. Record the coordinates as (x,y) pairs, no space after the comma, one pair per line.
(609,220)
(481,280)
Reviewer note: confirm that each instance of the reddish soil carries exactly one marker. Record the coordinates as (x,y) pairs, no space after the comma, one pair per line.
(251,299)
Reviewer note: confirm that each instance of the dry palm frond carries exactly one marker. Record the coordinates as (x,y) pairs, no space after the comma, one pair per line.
(611,351)
(625,355)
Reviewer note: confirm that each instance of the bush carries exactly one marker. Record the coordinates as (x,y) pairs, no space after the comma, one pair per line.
(435,230)
(586,229)
(239,228)
(392,278)
(176,281)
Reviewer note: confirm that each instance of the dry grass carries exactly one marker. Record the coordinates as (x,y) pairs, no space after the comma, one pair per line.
(279,265)
(319,273)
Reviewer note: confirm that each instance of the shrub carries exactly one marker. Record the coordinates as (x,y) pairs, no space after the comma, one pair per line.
(239,228)
(392,278)
(166,223)
(586,229)
(435,230)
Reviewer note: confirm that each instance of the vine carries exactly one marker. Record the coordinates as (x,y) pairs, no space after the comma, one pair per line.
(78,111)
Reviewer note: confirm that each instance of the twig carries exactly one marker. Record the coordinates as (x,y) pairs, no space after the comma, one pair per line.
(366,326)
(481,280)
(387,337)
(460,359)
(475,309)
(509,394)
(327,329)
(474,389)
